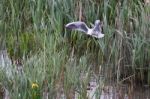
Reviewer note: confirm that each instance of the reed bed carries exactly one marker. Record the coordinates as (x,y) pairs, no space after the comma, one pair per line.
(53,59)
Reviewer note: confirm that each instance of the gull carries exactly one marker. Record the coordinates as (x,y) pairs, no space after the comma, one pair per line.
(96,31)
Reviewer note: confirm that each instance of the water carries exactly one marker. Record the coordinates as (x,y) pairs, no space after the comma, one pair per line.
(6,67)
(5,63)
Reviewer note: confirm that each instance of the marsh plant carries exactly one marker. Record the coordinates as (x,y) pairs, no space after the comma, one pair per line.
(34,35)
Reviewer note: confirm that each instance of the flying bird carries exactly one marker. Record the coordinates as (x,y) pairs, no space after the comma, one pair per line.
(96,31)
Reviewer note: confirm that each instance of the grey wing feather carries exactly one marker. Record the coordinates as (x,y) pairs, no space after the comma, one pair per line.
(97,30)
(98,26)
(81,26)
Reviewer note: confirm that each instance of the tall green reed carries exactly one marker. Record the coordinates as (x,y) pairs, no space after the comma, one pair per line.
(35,30)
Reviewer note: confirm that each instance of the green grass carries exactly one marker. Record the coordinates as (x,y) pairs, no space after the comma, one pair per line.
(33,31)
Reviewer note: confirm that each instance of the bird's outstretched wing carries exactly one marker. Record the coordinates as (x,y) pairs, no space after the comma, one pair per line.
(81,26)
(98,26)
(97,30)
